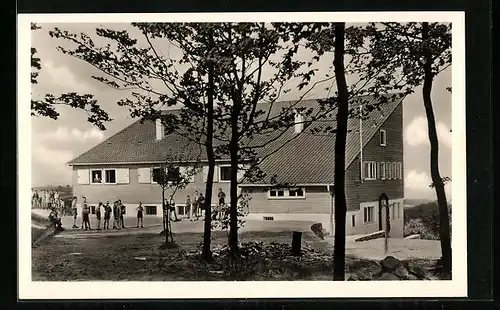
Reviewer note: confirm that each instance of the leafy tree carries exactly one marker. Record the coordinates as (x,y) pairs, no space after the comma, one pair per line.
(47,106)
(419,52)
(353,58)
(218,80)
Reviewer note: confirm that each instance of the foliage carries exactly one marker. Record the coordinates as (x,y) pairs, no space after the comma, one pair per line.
(47,106)
(423,219)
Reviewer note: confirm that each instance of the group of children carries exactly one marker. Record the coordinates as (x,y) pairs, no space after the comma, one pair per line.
(118,211)
(194,208)
(46,199)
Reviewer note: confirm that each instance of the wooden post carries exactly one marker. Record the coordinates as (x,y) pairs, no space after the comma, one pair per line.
(296,243)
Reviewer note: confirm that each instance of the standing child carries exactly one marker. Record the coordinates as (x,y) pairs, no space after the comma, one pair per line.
(201,204)
(123,209)
(116,216)
(98,215)
(140,216)
(74,208)
(107,215)
(85,214)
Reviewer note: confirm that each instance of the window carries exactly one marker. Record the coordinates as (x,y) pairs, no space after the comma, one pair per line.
(368,214)
(383,138)
(96,176)
(110,176)
(181,210)
(292,193)
(155,172)
(394,171)
(353,220)
(382,170)
(393,208)
(400,170)
(370,170)
(225,173)
(296,192)
(389,170)
(398,210)
(151,210)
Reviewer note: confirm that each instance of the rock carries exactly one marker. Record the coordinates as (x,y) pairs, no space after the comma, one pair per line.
(401,272)
(412,277)
(416,270)
(390,263)
(140,258)
(388,276)
(317,229)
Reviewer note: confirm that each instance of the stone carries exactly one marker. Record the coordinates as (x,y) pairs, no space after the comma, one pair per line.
(317,229)
(388,276)
(416,270)
(390,263)
(402,273)
(412,277)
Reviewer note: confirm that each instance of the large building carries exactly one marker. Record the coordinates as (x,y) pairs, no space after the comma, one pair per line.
(122,166)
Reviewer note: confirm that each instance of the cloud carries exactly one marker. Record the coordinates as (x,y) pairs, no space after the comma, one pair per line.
(416,133)
(51,150)
(417,185)
(62,78)
(417,180)
(67,135)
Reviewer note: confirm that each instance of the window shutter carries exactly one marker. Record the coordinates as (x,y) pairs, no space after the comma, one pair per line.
(216,173)
(144,175)
(83,176)
(122,176)
(205,173)
(400,170)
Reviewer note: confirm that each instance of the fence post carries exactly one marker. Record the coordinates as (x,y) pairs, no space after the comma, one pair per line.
(296,243)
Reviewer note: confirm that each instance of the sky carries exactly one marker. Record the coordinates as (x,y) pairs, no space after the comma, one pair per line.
(55,142)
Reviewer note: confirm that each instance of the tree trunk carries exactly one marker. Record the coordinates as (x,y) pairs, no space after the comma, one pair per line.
(444,224)
(340,140)
(207,253)
(233,209)
(165,217)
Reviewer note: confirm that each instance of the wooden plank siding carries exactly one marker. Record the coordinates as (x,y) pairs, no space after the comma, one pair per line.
(369,190)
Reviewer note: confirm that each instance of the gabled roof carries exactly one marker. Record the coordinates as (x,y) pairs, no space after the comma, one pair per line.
(305,158)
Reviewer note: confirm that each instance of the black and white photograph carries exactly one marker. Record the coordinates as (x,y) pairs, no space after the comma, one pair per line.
(170,153)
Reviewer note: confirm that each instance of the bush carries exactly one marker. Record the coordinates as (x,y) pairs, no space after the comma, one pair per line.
(423,219)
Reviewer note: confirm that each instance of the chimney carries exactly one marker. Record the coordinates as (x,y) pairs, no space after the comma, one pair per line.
(160,129)
(299,122)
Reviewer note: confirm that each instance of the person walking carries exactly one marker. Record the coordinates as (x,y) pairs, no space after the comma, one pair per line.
(98,215)
(107,215)
(86,214)
(140,216)
(74,209)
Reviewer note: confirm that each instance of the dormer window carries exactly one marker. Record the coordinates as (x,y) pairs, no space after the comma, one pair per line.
(383,138)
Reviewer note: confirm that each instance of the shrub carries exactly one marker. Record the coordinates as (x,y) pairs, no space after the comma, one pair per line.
(423,218)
